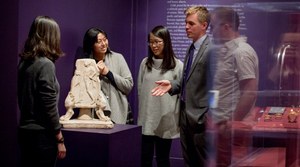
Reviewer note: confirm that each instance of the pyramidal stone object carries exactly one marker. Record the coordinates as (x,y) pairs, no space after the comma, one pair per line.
(86,95)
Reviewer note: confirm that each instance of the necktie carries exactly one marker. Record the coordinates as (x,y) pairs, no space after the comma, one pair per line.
(187,70)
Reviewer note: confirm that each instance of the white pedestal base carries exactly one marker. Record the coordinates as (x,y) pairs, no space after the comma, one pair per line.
(92,123)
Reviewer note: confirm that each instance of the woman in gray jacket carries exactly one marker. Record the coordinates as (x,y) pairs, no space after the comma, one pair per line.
(115,76)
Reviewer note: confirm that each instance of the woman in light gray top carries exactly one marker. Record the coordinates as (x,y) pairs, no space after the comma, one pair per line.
(158,116)
(115,76)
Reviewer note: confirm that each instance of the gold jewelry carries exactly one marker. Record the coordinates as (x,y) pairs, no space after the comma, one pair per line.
(278,116)
(292,116)
(267,117)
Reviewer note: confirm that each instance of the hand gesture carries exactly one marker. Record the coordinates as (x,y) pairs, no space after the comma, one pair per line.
(163,86)
(102,67)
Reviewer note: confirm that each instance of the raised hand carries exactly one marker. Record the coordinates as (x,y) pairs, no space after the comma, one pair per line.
(102,67)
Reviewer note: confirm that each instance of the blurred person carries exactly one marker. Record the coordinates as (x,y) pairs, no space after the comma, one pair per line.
(284,71)
(115,76)
(287,65)
(192,88)
(234,67)
(158,116)
(40,137)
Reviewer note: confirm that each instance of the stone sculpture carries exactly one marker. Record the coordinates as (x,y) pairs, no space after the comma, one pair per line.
(86,94)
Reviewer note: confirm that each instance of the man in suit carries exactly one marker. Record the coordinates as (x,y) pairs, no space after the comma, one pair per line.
(192,88)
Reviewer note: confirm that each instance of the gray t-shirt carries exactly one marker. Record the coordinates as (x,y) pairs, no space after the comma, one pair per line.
(234,61)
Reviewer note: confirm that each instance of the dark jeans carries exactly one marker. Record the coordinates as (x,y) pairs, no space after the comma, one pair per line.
(162,149)
(37,148)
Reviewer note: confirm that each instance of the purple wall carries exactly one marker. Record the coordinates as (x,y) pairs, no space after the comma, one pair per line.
(127,23)
(8,104)
(127,27)
(74,18)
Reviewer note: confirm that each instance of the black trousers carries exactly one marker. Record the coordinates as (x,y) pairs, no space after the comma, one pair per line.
(38,148)
(162,149)
(193,141)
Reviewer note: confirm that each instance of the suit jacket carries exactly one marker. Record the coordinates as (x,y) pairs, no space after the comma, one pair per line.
(196,103)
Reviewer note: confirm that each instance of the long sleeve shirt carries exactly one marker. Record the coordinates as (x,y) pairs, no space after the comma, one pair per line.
(38,94)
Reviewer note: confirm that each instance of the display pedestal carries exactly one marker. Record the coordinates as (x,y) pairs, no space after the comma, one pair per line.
(119,146)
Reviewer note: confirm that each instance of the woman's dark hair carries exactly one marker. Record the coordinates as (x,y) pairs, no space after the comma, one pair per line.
(89,39)
(43,39)
(168,53)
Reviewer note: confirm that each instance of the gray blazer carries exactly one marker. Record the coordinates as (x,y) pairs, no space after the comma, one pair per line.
(196,104)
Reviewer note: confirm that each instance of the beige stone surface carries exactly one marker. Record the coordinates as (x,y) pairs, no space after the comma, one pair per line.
(92,123)
(85,94)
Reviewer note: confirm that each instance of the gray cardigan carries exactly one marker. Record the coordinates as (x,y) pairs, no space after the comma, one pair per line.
(117,96)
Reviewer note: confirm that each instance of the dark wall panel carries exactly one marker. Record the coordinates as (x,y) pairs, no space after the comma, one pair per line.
(74,18)
(8,82)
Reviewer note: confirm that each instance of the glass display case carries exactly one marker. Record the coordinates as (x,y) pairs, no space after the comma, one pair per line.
(269,134)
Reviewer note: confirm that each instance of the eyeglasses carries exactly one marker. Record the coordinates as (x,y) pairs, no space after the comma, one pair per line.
(156,43)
